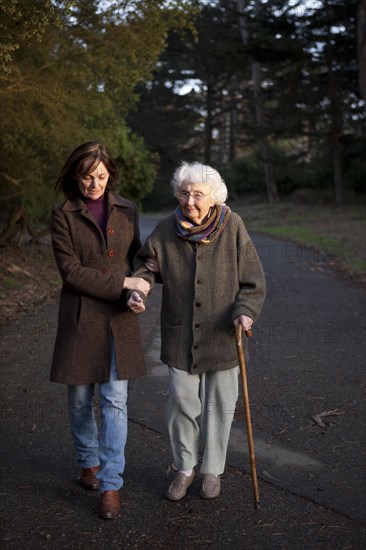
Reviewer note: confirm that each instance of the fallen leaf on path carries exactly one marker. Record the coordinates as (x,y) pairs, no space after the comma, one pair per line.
(318,418)
(269,476)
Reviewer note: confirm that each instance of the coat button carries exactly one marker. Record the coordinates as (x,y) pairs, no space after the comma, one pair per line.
(111,253)
(197,325)
(199,281)
(195,346)
(198,304)
(110,231)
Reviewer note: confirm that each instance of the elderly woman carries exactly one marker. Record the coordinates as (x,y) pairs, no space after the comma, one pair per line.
(212,279)
(95,236)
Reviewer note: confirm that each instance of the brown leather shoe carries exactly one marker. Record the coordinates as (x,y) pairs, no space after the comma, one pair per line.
(88,479)
(110,504)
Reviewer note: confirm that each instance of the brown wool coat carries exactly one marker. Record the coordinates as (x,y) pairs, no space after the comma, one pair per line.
(205,287)
(92,304)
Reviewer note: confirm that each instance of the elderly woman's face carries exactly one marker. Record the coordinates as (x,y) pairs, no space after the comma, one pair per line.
(195,201)
(93,185)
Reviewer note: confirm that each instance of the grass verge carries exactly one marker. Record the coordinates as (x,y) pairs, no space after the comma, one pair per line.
(338,232)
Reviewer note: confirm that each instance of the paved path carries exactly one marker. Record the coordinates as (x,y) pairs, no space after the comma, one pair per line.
(307,358)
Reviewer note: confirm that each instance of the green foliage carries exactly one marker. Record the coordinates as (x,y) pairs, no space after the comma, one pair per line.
(137,166)
(9,282)
(23,22)
(69,74)
(245,175)
(294,172)
(74,71)
(355,165)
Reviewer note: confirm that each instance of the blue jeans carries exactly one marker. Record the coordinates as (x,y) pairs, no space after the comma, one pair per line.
(105,448)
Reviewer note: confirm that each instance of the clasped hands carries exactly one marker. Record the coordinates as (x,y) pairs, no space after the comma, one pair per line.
(136,303)
(139,286)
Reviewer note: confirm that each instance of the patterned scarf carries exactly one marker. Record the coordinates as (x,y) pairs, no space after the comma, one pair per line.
(208,231)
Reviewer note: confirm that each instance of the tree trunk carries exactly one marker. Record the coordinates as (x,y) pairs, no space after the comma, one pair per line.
(11,227)
(361,48)
(224,131)
(335,113)
(19,220)
(272,191)
(337,168)
(209,124)
(233,122)
(232,144)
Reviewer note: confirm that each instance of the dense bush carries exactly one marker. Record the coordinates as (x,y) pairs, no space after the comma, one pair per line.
(246,174)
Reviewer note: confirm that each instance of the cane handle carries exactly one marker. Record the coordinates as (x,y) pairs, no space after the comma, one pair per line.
(238,331)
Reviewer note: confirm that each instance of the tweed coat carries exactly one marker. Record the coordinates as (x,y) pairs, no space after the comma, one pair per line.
(205,287)
(92,304)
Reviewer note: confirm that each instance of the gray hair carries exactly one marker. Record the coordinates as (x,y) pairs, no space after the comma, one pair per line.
(196,172)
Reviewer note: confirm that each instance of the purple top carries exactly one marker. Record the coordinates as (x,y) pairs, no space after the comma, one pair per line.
(99,210)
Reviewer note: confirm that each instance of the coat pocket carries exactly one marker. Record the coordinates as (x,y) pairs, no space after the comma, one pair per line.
(171,342)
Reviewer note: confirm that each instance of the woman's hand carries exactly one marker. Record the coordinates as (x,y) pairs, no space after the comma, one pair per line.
(246,322)
(137,283)
(136,303)
(152,265)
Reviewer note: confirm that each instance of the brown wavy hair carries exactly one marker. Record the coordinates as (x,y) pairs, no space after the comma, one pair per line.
(83,160)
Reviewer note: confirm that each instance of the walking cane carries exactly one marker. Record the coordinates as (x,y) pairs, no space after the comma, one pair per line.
(239,348)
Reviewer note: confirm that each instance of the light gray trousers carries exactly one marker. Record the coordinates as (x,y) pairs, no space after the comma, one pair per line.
(199,413)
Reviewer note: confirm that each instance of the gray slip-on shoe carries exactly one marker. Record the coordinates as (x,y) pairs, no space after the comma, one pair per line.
(178,488)
(211,486)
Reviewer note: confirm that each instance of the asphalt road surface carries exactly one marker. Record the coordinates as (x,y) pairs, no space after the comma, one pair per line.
(307,389)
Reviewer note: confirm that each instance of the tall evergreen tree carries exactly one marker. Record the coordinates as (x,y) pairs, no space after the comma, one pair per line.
(330,94)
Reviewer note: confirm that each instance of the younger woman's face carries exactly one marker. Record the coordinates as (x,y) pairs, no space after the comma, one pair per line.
(92,186)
